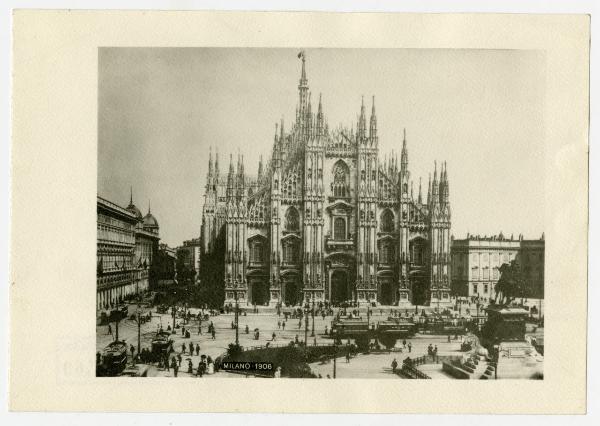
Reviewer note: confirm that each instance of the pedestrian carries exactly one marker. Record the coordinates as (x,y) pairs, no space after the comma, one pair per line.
(448,338)
(435,350)
(300,323)
(347,357)
(175,368)
(190,367)
(314,341)
(183,331)
(183,348)
(247,329)
(213,334)
(394,365)
(179,358)
(404,343)
(283,325)
(197,349)
(191,349)
(278,325)
(166,361)
(326,331)
(409,347)
(296,339)
(132,350)
(109,330)
(273,337)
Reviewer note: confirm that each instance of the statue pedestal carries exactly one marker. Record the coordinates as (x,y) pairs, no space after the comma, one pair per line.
(504,324)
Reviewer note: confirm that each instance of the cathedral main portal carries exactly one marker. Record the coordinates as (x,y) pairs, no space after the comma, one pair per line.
(340,291)
(420,289)
(259,292)
(291,291)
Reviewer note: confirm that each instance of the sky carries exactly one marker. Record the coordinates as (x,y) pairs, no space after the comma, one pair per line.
(481,111)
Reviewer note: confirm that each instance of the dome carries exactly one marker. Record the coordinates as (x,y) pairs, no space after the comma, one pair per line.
(133,209)
(150,221)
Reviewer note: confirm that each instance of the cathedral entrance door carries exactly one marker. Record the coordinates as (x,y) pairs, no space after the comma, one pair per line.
(339,287)
(419,290)
(386,292)
(259,292)
(291,291)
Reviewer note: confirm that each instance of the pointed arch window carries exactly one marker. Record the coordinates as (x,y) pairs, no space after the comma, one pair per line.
(341,178)
(387,221)
(292,222)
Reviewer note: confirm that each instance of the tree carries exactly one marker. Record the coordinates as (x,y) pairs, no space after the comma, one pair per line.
(511,284)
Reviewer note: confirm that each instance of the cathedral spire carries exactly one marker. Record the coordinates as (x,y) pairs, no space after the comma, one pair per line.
(435,197)
(148,206)
(210,161)
(302,90)
(420,199)
(217,164)
(320,126)
(362,121)
(373,124)
(429,190)
(131,195)
(404,155)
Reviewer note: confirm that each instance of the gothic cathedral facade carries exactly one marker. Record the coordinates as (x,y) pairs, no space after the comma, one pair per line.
(325,219)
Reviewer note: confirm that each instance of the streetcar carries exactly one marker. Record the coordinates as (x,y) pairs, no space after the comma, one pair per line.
(113,359)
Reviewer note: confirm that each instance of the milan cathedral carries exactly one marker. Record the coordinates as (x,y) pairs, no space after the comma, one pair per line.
(324,219)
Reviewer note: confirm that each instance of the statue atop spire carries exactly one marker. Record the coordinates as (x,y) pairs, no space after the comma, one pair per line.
(302,91)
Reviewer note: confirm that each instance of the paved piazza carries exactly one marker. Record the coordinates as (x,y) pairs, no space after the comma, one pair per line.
(361,366)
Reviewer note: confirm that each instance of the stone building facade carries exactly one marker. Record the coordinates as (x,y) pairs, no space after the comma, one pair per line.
(476,262)
(126,246)
(326,219)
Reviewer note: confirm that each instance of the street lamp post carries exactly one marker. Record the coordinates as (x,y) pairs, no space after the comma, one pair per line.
(306,325)
(237,319)
(334,353)
(312,334)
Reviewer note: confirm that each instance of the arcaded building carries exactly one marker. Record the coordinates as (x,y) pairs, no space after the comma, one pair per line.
(326,219)
(126,245)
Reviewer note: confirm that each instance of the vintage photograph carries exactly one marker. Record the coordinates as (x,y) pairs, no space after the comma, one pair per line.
(320,213)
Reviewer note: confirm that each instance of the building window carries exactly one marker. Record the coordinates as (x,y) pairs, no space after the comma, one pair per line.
(387,221)
(256,252)
(386,253)
(485,289)
(292,222)
(495,273)
(339,229)
(486,273)
(475,273)
(290,252)
(474,258)
(475,288)
(340,179)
